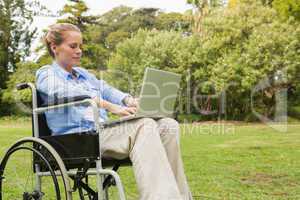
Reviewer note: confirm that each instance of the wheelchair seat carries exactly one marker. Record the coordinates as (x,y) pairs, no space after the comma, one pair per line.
(75,149)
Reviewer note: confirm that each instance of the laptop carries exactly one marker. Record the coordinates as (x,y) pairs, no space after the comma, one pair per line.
(157,96)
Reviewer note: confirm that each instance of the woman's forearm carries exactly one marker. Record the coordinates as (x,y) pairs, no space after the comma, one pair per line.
(101,103)
(114,108)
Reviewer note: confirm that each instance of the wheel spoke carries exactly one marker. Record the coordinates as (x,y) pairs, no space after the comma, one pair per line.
(20,182)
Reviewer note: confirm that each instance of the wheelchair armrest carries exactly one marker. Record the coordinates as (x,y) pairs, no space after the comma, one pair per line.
(58,101)
(22,86)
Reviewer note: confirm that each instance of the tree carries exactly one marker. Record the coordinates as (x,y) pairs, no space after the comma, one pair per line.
(113,27)
(76,14)
(167,50)
(172,21)
(241,46)
(133,20)
(114,38)
(112,21)
(25,72)
(126,19)
(16,34)
(234,3)
(288,8)
(201,9)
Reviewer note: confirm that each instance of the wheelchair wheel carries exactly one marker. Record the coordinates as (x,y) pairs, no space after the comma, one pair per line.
(20,171)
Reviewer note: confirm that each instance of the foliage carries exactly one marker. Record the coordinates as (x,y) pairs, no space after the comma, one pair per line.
(288,8)
(248,47)
(102,33)
(160,49)
(285,8)
(120,24)
(233,3)
(240,47)
(115,37)
(126,19)
(201,9)
(15,33)
(167,50)
(25,73)
(203,3)
(172,21)
(76,14)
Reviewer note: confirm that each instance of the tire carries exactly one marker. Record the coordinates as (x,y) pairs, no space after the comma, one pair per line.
(18,172)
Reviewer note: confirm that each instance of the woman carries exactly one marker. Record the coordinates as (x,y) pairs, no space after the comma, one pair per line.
(152,146)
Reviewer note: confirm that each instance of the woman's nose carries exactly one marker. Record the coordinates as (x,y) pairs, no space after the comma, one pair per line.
(79,51)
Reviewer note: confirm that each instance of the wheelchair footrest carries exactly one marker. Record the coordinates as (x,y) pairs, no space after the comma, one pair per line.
(109,180)
(82,185)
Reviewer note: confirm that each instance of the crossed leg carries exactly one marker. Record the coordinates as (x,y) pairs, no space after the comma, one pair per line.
(169,131)
(153,148)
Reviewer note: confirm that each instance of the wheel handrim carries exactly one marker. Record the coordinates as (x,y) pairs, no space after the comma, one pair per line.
(27,194)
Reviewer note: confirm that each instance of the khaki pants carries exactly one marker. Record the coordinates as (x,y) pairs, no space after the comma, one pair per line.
(153,147)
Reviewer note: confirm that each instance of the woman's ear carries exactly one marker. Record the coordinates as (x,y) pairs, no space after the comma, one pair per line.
(53,48)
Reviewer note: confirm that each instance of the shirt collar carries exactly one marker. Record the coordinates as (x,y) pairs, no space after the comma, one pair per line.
(67,75)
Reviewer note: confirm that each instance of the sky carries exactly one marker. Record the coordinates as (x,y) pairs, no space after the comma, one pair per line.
(101,6)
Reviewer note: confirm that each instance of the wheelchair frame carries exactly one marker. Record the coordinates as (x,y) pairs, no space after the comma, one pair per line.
(104,177)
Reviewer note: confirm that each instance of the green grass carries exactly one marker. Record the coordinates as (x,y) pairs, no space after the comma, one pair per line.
(242,162)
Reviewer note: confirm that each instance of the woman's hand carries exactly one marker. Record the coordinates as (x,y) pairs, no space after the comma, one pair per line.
(114,108)
(131,101)
(121,111)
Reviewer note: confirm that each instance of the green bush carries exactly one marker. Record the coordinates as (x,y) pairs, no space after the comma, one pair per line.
(239,47)
(25,73)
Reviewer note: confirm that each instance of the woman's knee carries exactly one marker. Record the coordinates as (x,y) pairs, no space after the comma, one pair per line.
(168,125)
(149,122)
(147,125)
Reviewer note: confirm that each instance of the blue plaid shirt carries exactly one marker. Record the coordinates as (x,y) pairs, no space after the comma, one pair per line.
(54,82)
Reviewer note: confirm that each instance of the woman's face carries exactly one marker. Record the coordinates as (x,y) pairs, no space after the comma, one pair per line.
(68,53)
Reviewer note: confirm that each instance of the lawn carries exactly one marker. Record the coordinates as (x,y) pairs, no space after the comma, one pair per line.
(221,161)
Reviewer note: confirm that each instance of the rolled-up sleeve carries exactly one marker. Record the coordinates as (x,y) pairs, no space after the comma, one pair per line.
(111,94)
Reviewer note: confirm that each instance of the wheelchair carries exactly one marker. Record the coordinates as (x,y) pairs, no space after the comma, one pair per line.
(65,161)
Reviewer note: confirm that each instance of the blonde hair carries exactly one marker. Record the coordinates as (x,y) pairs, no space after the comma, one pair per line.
(55,35)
